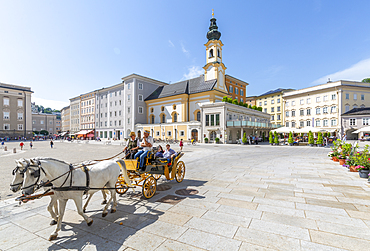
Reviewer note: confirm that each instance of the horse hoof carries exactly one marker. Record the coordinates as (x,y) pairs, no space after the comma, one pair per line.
(53,222)
(104,202)
(90,223)
(104,214)
(113,210)
(53,237)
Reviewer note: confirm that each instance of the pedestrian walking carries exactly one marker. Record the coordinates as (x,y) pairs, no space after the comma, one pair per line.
(21,145)
(31,144)
(51,143)
(181,144)
(344,138)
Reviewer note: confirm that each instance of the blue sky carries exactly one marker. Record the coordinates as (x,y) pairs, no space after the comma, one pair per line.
(64,48)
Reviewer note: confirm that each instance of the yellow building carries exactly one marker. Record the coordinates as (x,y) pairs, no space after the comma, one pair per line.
(272,103)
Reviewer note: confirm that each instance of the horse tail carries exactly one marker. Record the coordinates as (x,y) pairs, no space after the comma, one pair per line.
(122,165)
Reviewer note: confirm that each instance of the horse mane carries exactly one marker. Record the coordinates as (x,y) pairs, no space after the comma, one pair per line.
(57,160)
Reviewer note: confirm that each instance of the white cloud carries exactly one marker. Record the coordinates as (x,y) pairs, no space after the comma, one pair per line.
(53,104)
(194,71)
(171,44)
(356,72)
(185,51)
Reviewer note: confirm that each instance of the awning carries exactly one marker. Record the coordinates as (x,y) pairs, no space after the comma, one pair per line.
(83,132)
(363,129)
(284,130)
(91,135)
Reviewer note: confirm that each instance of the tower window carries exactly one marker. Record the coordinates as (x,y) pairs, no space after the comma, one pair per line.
(211,53)
(218,53)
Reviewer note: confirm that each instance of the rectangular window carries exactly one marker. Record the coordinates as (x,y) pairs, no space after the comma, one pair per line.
(365,121)
(217,119)
(265,110)
(333,109)
(272,101)
(128,109)
(333,96)
(241,100)
(20,127)
(115,122)
(333,122)
(140,110)
(169,133)
(347,95)
(293,124)
(230,89)
(308,100)
(6,126)
(41,122)
(287,104)
(318,123)
(301,123)
(140,86)
(182,133)
(301,112)
(278,117)
(346,108)
(212,120)
(308,111)
(325,122)
(352,122)
(355,96)
(278,108)
(129,97)
(318,99)
(115,113)
(157,133)
(20,102)
(140,97)
(272,109)
(128,86)
(318,111)
(287,114)
(241,92)
(20,115)
(106,114)
(301,102)
(308,123)
(325,110)
(6,115)
(362,97)
(293,113)
(6,101)
(260,103)
(105,123)
(110,104)
(293,103)
(110,114)
(272,118)
(128,121)
(278,101)
(207,120)
(287,124)
(326,98)
(119,113)
(236,91)
(265,103)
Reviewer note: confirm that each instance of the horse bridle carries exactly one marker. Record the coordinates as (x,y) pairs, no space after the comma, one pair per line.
(35,173)
(15,170)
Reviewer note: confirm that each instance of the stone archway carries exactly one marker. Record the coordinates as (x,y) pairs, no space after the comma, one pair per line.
(350,135)
(194,134)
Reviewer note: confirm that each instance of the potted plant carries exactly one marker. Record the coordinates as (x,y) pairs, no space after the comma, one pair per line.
(271,140)
(217,140)
(319,140)
(276,139)
(310,139)
(342,159)
(205,140)
(290,139)
(244,139)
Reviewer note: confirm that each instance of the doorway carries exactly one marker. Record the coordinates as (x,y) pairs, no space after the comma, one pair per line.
(194,134)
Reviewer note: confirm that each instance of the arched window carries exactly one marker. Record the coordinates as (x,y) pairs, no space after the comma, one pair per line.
(175,117)
(152,119)
(163,118)
(211,53)
(151,110)
(198,116)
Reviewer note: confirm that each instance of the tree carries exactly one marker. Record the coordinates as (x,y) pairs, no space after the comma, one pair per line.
(254,107)
(235,102)
(290,139)
(241,103)
(259,109)
(44,132)
(319,139)
(36,132)
(366,80)
(225,99)
(250,106)
(244,139)
(325,134)
(271,140)
(276,138)
(245,105)
(311,141)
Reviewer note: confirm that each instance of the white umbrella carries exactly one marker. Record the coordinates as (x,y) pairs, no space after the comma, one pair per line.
(284,130)
(363,129)
(307,129)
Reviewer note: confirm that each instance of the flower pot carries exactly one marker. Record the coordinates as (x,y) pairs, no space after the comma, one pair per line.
(352,169)
(335,159)
(364,173)
(342,162)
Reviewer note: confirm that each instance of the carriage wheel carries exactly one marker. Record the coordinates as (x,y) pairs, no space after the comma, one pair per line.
(156,176)
(149,187)
(120,186)
(180,171)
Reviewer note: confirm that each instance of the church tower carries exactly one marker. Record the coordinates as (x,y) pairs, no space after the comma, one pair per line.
(214,68)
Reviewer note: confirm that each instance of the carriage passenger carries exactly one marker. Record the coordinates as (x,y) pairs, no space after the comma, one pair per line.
(132,146)
(159,153)
(169,153)
(146,143)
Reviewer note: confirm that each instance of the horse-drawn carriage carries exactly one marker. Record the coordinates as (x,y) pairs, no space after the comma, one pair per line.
(154,168)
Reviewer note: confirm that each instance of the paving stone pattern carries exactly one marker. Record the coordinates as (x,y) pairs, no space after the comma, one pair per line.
(249,198)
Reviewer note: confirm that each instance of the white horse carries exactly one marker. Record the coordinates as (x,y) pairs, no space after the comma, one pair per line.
(52,208)
(102,174)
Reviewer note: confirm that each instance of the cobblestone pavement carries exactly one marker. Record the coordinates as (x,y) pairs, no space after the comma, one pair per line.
(250,198)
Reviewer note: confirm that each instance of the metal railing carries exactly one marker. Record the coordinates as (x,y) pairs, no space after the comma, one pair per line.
(243,123)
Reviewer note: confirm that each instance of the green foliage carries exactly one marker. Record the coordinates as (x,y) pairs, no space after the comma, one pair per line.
(271,140)
(250,106)
(263,136)
(311,140)
(290,139)
(244,139)
(217,140)
(36,132)
(206,140)
(245,105)
(44,132)
(225,99)
(366,80)
(325,134)
(276,138)
(241,103)
(254,107)
(319,140)
(361,159)
(235,102)
(259,109)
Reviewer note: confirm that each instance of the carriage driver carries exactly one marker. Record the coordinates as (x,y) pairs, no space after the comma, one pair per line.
(132,146)
(146,143)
